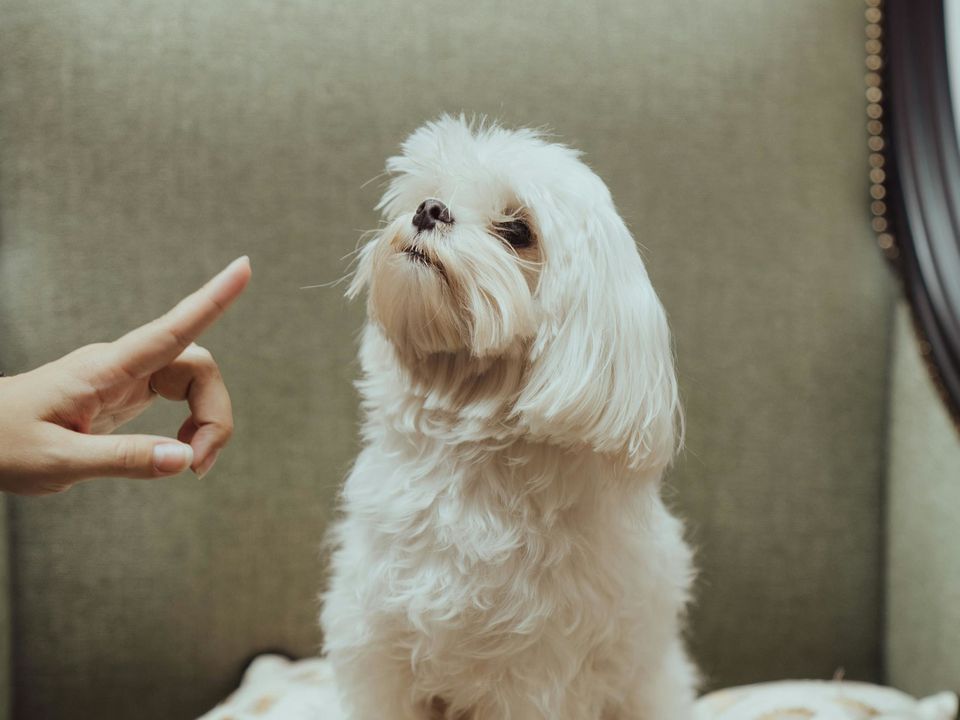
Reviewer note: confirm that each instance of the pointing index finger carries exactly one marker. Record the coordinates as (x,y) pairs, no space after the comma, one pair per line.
(143,351)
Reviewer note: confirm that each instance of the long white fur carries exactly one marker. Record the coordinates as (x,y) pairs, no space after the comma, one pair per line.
(504,553)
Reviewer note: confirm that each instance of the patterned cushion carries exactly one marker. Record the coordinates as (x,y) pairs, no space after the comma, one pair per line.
(823,700)
(275,688)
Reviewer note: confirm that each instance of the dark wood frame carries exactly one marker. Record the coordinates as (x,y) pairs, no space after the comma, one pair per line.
(923,181)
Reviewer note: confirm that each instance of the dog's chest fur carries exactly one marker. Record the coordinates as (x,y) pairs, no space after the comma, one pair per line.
(492,550)
(484,559)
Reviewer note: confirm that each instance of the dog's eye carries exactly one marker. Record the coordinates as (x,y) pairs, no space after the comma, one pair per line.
(515,232)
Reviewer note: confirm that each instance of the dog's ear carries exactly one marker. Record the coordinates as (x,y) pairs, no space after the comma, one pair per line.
(602,369)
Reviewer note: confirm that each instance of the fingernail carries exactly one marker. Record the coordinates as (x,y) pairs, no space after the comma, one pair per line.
(172,457)
(207,464)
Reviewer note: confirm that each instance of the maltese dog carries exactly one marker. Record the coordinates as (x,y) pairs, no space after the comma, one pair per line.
(504,553)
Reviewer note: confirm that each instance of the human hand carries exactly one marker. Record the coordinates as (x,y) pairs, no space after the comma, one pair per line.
(54,420)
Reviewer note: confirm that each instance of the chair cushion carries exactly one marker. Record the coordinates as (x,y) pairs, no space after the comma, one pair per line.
(823,700)
(275,688)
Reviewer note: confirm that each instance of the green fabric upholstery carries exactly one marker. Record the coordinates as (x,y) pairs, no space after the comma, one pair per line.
(922,631)
(145,144)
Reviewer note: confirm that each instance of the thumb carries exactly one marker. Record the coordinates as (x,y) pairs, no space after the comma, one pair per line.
(129,456)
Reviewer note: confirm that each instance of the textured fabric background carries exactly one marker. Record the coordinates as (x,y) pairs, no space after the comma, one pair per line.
(147,143)
(923,576)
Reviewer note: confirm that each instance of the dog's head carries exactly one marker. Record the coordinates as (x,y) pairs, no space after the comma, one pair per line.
(502,247)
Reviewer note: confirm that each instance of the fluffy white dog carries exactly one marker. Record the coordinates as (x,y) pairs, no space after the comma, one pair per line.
(504,553)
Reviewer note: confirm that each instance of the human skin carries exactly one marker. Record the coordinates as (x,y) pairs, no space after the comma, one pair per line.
(56,421)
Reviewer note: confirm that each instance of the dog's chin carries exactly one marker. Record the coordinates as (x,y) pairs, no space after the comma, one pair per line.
(422,313)
(411,300)
(420,258)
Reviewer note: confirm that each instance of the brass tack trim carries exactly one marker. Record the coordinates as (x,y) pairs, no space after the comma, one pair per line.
(873,93)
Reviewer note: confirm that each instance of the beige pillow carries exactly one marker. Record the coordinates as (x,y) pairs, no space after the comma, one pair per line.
(275,688)
(823,700)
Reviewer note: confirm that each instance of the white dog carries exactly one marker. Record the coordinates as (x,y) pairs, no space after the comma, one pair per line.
(504,552)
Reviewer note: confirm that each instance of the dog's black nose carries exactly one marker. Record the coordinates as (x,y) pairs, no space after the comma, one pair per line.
(430,213)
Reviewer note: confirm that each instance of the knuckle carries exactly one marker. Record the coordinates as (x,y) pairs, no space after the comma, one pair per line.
(84,363)
(127,456)
(219,306)
(181,342)
(199,356)
(224,430)
(58,487)
(202,353)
